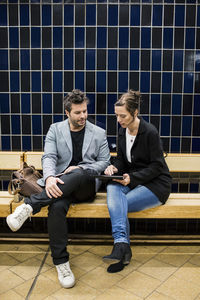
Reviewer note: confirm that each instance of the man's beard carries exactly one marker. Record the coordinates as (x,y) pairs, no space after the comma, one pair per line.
(76,124)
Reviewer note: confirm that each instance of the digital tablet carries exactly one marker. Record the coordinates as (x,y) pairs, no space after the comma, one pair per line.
(109,177)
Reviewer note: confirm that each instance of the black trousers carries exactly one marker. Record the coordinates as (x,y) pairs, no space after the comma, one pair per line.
(78,187)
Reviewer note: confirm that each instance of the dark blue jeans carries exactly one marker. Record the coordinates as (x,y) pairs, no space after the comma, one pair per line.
(78,187)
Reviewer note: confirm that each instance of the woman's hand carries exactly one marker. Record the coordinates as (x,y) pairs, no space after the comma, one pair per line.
(110,170)
(125,181)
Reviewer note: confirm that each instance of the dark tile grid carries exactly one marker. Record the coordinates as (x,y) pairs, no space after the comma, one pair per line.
(103,49)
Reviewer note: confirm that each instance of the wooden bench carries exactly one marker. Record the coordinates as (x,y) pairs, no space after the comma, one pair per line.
(178,206)
(8,161)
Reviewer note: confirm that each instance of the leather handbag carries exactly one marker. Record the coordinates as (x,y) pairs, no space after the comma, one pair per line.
(24,181)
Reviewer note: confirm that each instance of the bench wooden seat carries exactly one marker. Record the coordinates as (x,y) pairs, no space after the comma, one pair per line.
(5,203)
(9,160)
(178,206)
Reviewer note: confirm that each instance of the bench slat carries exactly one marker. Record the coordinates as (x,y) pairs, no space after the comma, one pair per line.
(33,158)
(5,203)
(176,207)
(10,160)
(177,162)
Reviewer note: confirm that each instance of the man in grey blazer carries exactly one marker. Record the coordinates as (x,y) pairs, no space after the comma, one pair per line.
(75,149)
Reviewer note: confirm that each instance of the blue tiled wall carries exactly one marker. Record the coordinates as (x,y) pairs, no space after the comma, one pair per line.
(47,48)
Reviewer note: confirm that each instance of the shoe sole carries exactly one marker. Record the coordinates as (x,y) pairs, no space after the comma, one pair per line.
(69,286)
(10,225)
(110,260)
(125,261)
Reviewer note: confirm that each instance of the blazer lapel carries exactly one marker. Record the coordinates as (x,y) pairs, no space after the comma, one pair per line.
(87,137)
(65,129)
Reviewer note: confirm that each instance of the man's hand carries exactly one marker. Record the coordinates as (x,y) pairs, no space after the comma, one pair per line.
(125,181)
(51,187)
(110,170)
(70,169)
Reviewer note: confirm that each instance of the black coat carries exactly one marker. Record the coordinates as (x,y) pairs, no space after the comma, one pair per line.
(148,166)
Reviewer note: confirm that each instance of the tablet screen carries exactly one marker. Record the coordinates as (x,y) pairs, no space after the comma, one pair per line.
(109,177)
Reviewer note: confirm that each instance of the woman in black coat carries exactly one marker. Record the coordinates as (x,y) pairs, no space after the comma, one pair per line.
(146,180)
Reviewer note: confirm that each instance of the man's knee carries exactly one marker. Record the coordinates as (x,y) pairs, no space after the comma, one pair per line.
(59,207)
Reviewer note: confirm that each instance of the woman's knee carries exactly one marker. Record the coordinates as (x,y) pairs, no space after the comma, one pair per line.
(113,187)
(113,195)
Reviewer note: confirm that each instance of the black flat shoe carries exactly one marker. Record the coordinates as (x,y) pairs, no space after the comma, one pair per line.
(121,252)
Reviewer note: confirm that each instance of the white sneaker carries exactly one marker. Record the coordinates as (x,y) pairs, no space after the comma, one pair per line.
(20,215)
(65,275)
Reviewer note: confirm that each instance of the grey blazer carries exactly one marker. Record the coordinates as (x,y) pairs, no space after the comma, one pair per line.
(58,150)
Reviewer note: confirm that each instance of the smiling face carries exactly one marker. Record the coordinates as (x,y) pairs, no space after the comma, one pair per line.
(77,116)
(124,117)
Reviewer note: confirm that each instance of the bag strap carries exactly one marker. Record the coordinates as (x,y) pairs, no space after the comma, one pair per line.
(12,190)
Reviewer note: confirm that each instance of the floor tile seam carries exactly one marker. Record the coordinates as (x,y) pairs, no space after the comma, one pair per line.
(130,292)
(76,255)
(18,261)
(194,265)
(142,273)
(16,292)
(14,287)
(22,262)
(161,283)
(9,269)
(172,275)
(23,252)
(93,254)
(171,298)
(115,284)
(37,275)
(158,251)
(172,264)
(88,285)
(198,296)
(52,295)
(147,259)
(80,279)
(181,265)
(137,294)
(184,245)
(193,256)
(154,254)
(169,247)
(85,271)
(101,265)
(188,280)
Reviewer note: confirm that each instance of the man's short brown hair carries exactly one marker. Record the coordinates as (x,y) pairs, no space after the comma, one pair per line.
(74,97)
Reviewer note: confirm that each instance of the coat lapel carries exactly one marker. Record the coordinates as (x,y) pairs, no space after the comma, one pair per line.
(87,137)
(122,139)
(65,129)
